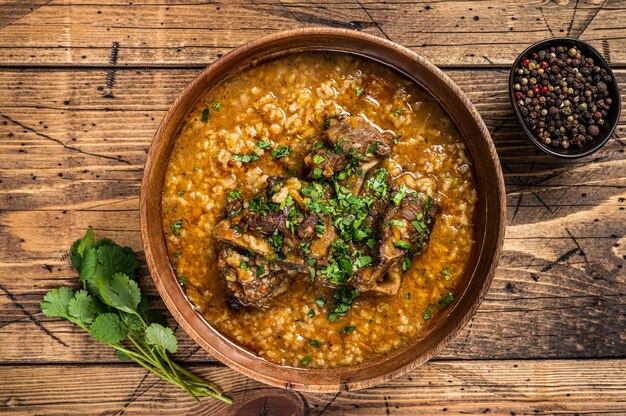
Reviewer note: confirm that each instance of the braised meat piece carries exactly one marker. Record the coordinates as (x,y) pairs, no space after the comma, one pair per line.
(350,141)
(252,279)
(406,228)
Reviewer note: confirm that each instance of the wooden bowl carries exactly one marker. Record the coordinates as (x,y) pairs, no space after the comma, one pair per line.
(489,218)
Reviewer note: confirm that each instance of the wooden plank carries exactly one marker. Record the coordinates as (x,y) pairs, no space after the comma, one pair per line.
(170,33)
(471,387)
(72,154)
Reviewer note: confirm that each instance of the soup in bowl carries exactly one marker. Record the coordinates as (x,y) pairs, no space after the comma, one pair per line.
(318,218)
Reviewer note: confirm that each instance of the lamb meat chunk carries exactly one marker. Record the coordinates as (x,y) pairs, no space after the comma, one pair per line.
(231,233)
(385,278)
(352,134)
(405,229)
(251,279)
(266,223)
(350,140)
(306,229)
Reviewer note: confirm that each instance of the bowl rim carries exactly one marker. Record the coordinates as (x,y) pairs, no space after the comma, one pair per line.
(615,93)
(188,318)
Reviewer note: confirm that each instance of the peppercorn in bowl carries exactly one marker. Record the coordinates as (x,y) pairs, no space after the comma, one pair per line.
(565,96)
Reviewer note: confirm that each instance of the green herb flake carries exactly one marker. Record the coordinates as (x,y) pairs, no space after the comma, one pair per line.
(306,360)
(326,124)
(315,343)
(403,244)
(182,281)
(195,169)
(205,115)
(246,157)
(281,151)
(260,271)
(399,196)
(349,329)
(358,91)
(321,302)
(363,261)
(217,106)
(427,314)
(407,296)
(234,194)
(317,159)
(406,263)
(448,299)
(397,223)
(398,112)
(446,273)
(311,313)
(176,227)
(263,144)
(243,265)
(177,254)
(181,193)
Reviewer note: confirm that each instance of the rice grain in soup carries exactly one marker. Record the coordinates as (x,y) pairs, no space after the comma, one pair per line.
(227,144)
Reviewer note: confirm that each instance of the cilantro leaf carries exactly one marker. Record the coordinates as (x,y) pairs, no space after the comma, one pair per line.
(281,151)
(56,302)
(82,307)
(161,336)
(120,292)
(117,259)
(108,328)
(89,265)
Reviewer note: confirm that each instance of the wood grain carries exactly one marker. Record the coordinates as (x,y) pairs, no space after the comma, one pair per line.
(73,139)
(471,387)
(545,290)
(195,33)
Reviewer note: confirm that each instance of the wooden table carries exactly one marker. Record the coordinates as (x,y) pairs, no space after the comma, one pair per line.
(83,86)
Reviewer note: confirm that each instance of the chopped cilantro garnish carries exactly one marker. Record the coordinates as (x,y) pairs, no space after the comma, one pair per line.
(446,273)
(260,271)
(371,243)
(398,112)
(205,115)
(276,241)
(427,314)
(281,151)
(349,329)
(243,265)
(246,157)
(448,299)
(403,244)
(363,261)
(263,144)
(317,159)
(397,223)
(182,281)
(321,302)
(232,195)
(326,124)
(217,105)
(195,169)
(399,196)
(315,343)
(176,227)
(181,193)
(407,296)
(358,91)
(306,360)
(317,173)
(406,263)
(177,254)
(311,313)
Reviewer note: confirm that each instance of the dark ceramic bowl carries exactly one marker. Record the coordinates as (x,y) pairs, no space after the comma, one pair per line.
(611,119)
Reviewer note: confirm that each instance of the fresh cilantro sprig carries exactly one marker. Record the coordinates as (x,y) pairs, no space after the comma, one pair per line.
(112,309)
